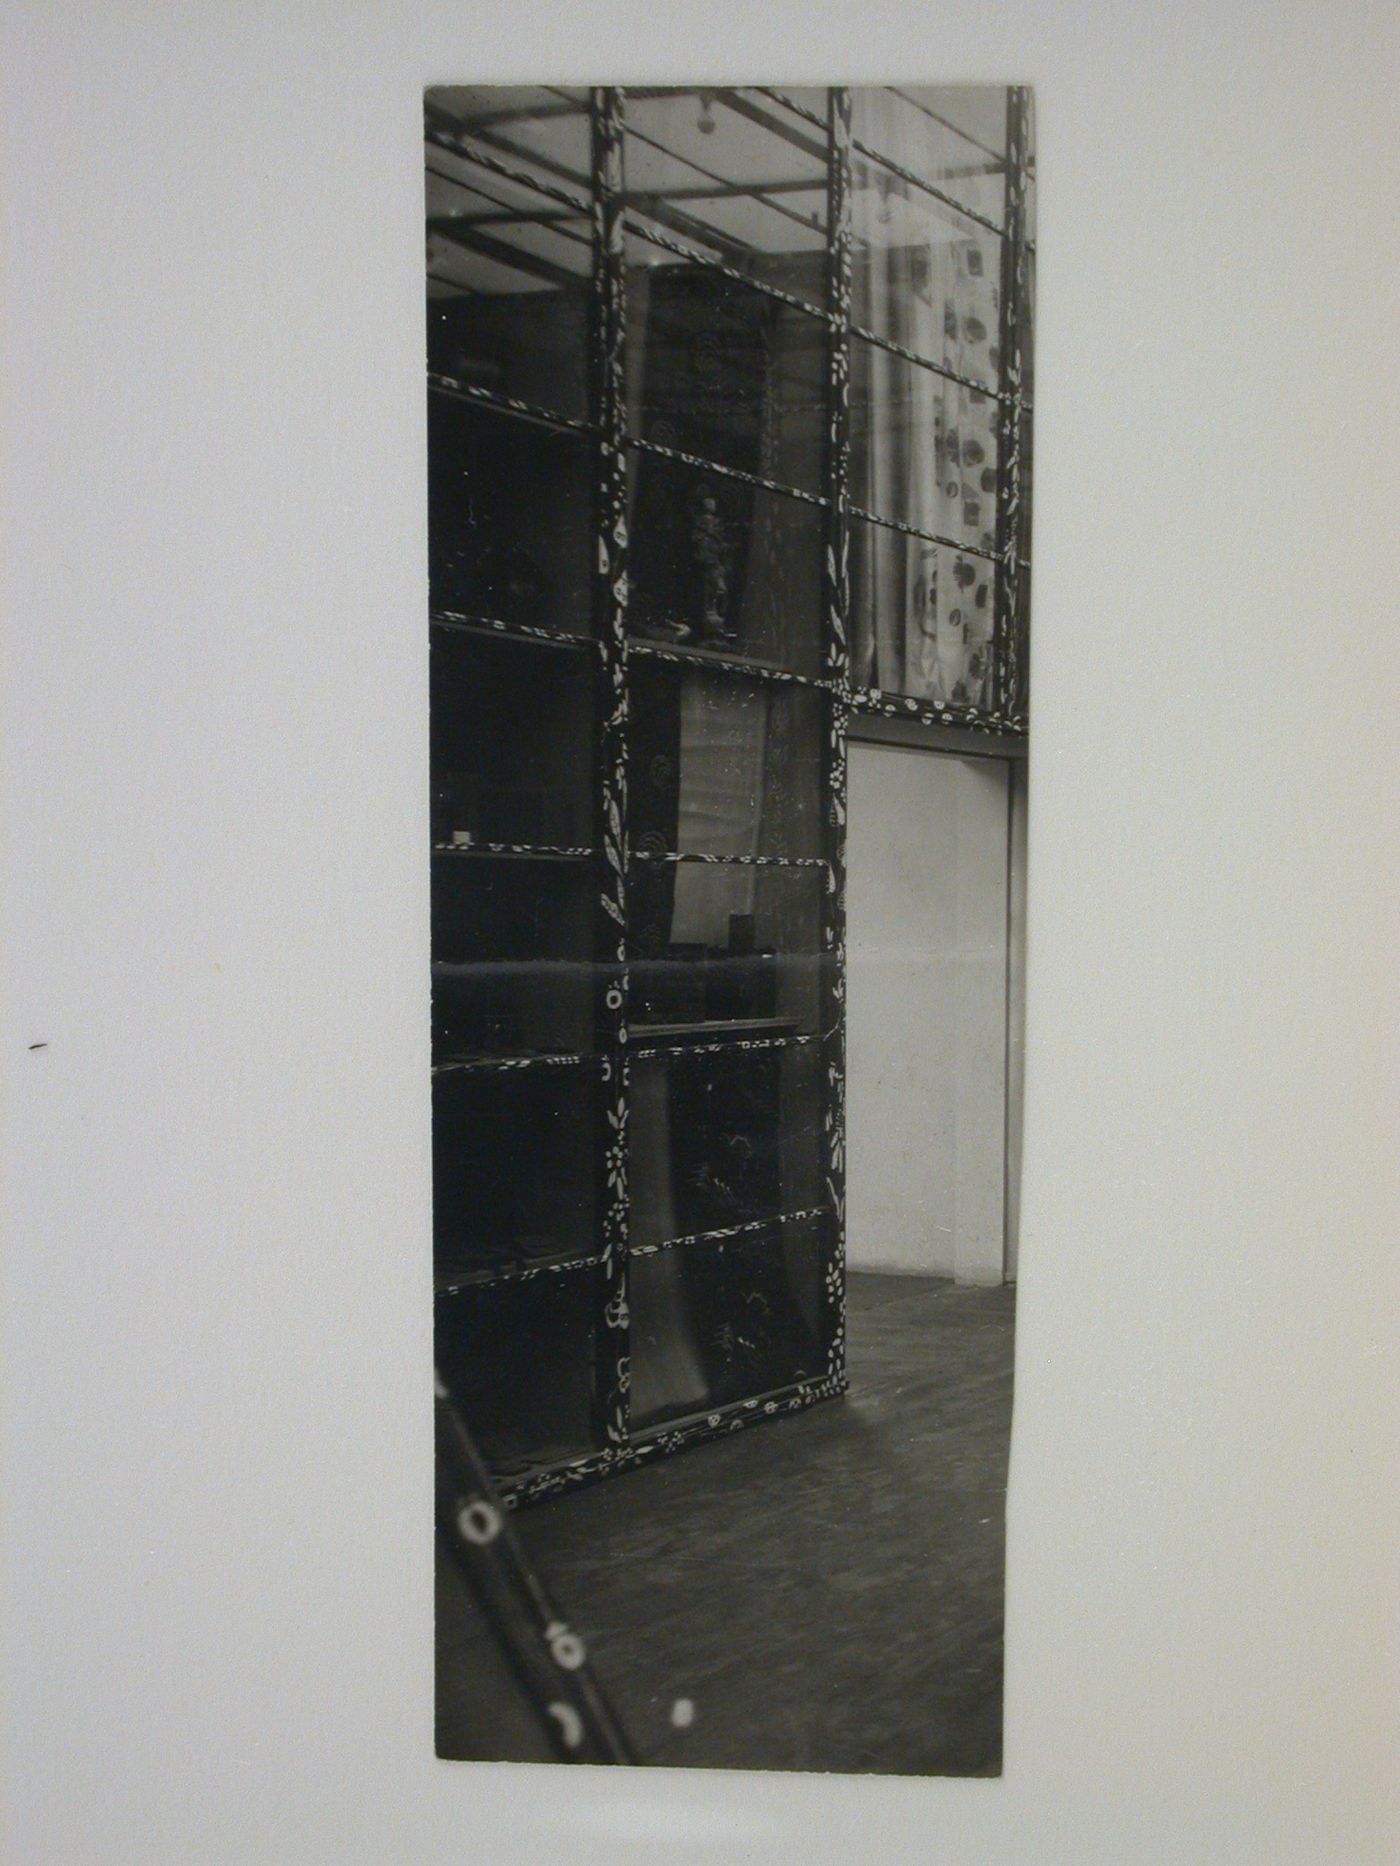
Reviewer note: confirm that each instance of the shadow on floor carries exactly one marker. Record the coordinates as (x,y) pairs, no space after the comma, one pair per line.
(826,1591)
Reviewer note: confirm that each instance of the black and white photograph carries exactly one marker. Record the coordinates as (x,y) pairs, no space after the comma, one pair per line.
(635,1226)
(730,409)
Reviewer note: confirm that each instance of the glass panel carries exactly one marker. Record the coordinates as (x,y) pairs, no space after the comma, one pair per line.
(923,275)
(722,1138)
(721,765)
(724,565)
(977,111)
(1022,622)
(509,518)
(512,1166)
(518,1359)
(538,127)
(1023,530)
(509,278)
(718,369)
(1028,327)
(511,742)
(714,1324)
(953,135)
(921,617)
(512,944)
(923,448)
(736,175)
(714,946)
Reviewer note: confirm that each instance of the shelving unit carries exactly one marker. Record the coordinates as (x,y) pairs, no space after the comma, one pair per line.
(641,523)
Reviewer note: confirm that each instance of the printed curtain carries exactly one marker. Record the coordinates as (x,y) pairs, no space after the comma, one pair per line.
(923,447)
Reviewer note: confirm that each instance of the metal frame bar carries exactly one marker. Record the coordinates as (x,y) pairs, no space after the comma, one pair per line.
(998,159)
(725,1234)
(926,187)
(524,851)
(522,1273)
(758,191)
(730,861)
(743,107)
(877,701)
(696,258)
(562,223)
(547,1656)
(612,1373)
(493,627)
(929,537)
(927,362)
(836,668)
(465,232)
(724,472)
(724,1047)
(1006,598)
(791,103)
(455,142)
(643,649)
(503,1065)
(454,390)
(661,1440)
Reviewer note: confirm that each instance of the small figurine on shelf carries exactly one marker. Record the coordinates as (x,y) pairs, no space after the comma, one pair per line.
(710,546)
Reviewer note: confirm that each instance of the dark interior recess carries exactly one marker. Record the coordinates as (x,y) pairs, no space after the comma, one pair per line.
(509,513)
(493,1207)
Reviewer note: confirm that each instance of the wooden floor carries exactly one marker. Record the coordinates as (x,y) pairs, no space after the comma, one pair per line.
(825,1591)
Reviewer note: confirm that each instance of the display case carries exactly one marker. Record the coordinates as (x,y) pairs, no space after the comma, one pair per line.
(727,445)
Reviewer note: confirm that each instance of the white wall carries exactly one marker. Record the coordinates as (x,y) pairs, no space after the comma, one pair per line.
(1016,1014)
(926,907)
(217,1427)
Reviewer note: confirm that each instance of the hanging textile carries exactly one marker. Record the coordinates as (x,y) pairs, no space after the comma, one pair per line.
(923,446)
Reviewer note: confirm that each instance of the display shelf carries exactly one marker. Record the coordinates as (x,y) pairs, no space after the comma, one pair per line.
(521,851)
(507,405)
(695,654)
(487,1064)
(639,229)
(493,628)
(987,552)
(726,861)
(450,1279)
(683,458)
(724,1234)
(971,383)
(924,186)
(712,1034)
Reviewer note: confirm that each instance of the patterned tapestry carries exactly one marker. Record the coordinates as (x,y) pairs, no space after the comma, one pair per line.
(923,446)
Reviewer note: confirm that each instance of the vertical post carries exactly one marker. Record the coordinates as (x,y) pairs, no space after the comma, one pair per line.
(611,1375)
(1007,696)
(836,669)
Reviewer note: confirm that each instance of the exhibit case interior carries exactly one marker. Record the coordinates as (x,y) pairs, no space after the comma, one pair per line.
(728,448)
